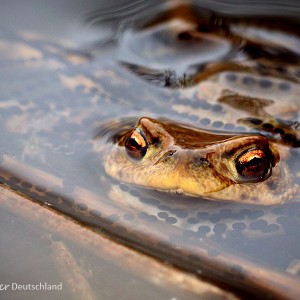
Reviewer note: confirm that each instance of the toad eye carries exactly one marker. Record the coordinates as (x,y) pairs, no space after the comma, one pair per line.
(253,165)
(136,145)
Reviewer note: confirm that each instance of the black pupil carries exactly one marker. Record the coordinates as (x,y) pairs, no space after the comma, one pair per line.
(255,163)
(254,169)
(136,146)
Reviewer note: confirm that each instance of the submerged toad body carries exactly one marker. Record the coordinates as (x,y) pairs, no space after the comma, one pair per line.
(253,85)
(165,155)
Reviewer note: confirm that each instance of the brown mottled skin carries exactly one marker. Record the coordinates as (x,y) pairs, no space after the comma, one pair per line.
(200,164)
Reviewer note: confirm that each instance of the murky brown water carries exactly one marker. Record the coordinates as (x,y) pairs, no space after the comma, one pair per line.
(65,85)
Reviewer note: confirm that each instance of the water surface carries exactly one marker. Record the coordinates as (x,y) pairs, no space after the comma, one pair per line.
(63,83)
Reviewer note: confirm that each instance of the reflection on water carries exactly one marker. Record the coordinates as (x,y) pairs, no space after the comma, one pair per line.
(194,65)
(50,257)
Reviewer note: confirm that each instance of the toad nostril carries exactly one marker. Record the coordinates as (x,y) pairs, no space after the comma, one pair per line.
(200,162)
